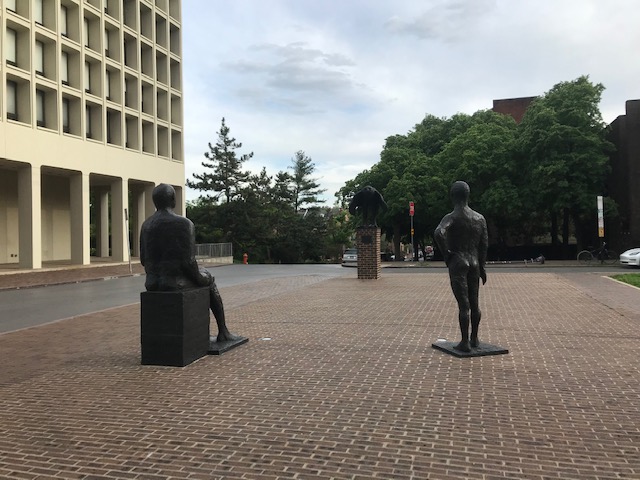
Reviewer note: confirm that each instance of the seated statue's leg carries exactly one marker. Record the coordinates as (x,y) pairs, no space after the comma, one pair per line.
(217,308)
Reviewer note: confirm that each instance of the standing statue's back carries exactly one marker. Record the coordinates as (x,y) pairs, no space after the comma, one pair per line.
(462,238)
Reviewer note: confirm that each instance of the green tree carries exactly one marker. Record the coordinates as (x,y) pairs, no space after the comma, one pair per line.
(305,190)
(484,155)
(563,139)
(224,175)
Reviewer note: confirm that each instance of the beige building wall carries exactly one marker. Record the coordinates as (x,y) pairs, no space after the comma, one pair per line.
(90,111)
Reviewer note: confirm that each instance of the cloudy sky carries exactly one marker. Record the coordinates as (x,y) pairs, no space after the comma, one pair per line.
(334,78)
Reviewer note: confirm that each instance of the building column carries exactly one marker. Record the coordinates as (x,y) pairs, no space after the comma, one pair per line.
(136,218)
(102,222)
(119,233)
(30,218)
(80,220)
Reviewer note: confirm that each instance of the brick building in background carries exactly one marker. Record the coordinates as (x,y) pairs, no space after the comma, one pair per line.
(624,181)
(514,107)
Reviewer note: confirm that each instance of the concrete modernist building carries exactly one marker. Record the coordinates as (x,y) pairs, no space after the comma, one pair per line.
(90,121)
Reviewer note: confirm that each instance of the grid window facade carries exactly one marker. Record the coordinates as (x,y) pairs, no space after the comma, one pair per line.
(115,64)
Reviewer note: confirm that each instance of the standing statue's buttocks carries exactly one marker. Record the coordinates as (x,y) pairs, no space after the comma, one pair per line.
(462,238)
(167,252)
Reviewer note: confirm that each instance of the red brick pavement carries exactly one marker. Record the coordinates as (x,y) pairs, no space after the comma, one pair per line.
(347,387)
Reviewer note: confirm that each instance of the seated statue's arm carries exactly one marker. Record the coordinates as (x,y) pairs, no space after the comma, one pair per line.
(143,248)
(189,265)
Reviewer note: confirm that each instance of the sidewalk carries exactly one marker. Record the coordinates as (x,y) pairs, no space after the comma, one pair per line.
(339,380)
(65,274)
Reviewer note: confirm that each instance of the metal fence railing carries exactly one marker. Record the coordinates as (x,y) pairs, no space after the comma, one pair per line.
(214,250)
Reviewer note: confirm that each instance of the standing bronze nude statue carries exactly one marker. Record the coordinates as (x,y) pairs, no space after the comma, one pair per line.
(462,238)
(167,252)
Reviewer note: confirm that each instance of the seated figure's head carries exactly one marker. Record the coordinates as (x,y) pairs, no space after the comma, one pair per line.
(164,196)
(460,192)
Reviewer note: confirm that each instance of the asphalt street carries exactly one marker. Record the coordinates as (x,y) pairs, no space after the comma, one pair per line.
(22,308)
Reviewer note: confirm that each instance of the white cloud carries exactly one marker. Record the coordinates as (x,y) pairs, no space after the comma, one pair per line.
(336,78)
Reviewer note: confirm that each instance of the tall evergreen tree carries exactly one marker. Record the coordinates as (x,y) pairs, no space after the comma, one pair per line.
(224,175)
(305,190)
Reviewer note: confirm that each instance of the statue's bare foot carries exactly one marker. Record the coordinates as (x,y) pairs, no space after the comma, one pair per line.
(463,346)
(226,336)
(475,342)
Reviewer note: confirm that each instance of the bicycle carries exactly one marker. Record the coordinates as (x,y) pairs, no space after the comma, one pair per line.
(602,255)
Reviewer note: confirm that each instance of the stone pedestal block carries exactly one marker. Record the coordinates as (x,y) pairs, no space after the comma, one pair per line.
(368,243)
(174,326)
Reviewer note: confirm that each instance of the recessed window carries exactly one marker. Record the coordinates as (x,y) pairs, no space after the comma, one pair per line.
(87,77)
(11,5)
(37,12)
(64,26)
(12,100)
(66,126)
(11,49)
(107,84)
(85,33)
(64,68)
(87,121)
(39,58)
(40,97)
(106,42)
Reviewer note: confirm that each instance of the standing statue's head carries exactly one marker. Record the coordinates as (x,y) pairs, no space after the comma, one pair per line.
(460,192)
(164,196)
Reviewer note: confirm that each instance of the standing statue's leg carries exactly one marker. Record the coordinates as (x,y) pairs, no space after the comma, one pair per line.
(215,302)
(460,291)
(476,314)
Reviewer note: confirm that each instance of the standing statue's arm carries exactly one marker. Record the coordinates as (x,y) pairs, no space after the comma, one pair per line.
(440,237)
(482,251)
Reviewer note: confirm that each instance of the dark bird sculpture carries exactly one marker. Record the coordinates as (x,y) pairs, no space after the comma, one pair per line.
(368,203)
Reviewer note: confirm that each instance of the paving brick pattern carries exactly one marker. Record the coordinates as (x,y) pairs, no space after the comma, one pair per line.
(347,387)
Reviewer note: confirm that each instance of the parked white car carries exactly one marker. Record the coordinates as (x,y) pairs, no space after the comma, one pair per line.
(631,257)
(350,258)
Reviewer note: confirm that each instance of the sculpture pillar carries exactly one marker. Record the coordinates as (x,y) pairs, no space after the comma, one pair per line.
(368,244)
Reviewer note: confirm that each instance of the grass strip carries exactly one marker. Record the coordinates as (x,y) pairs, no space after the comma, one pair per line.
(630,278)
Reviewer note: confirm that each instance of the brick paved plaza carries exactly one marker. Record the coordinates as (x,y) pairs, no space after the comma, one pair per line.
(347,387)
